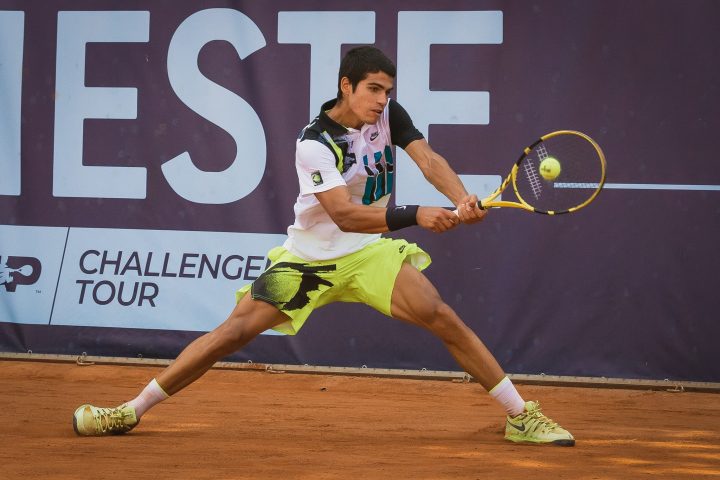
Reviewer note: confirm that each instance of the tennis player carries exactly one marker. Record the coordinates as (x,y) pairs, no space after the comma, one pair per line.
(335,252)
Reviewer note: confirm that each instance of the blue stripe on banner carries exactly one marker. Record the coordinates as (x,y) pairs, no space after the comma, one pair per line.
(640,186)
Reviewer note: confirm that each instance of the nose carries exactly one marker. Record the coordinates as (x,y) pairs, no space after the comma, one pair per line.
(383,99)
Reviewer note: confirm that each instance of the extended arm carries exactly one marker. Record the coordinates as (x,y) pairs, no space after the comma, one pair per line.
(438,172)
(352,217)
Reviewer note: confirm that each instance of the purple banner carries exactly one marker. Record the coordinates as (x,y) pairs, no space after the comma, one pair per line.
(147,164)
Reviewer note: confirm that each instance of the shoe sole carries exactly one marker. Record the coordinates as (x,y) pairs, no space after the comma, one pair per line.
(559,443)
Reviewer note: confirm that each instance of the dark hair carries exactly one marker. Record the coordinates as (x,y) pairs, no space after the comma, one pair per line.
(359,62)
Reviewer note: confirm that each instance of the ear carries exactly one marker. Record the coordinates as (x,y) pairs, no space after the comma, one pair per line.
(345,86)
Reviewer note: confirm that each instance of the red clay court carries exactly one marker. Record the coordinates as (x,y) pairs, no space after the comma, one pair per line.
(259,425)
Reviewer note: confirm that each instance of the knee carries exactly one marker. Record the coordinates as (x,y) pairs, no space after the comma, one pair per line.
(443,321)
(232,335)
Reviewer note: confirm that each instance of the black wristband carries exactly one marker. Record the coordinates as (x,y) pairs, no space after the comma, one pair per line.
(401,216)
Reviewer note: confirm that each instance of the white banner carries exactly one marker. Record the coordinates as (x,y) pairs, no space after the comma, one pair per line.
(170,280)
(30,259)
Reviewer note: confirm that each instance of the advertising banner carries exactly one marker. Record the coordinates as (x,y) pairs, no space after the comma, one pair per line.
(147,167)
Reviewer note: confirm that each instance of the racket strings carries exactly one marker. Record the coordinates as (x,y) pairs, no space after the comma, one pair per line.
(533,178)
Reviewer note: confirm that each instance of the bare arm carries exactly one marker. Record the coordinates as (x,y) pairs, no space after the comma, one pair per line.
(349,216)
(352,217)
(438,172)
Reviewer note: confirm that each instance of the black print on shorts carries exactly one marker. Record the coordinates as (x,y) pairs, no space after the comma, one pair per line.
(287,285)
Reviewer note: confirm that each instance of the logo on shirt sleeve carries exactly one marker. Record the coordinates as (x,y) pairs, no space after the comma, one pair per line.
(316,178)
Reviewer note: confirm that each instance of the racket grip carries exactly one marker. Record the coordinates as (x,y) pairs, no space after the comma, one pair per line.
(455,210)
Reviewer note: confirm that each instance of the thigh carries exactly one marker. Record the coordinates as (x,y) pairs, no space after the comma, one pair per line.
(375,270)
(414,297)
(252,317)
(293,286)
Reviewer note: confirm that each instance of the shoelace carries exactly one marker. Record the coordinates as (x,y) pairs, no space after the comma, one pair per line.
(541,420)
(113,420)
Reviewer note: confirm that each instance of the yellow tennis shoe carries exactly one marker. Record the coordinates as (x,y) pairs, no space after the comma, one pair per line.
(532,426)
(98,422)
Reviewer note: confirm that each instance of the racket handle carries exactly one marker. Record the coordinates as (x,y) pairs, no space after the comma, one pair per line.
(455,210)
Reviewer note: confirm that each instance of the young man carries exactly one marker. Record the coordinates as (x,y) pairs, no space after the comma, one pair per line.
(335,252)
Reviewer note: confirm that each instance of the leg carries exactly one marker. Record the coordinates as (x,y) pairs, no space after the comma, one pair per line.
(249,319)
(415,300)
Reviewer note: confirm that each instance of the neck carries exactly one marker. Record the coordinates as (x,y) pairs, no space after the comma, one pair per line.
(342,114)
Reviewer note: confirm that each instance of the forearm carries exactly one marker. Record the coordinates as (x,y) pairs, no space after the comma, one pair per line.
(360,219)
(350,216)
(357,218)
(438,172)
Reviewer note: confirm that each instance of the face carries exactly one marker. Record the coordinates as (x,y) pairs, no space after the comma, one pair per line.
(368,101)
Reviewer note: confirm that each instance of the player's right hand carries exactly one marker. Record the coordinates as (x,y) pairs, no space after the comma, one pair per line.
(468,210)
(437,219)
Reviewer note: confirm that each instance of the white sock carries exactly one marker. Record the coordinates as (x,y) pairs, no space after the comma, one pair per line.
(505,393)
(149,397)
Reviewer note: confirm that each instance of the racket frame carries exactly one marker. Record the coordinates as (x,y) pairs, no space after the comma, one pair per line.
(489,201)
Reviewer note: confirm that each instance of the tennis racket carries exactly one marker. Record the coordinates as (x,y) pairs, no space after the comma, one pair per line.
(561,172)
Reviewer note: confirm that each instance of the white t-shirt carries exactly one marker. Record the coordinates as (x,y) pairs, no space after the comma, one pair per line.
(329,155)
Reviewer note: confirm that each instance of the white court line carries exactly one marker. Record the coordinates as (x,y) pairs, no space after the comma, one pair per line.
(640,186)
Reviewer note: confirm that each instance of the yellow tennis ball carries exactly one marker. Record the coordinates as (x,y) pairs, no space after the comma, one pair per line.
(550,168)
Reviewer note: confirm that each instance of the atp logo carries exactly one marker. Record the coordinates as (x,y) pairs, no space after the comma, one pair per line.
(19,271)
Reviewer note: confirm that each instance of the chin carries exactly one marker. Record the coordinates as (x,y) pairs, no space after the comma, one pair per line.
(372,117)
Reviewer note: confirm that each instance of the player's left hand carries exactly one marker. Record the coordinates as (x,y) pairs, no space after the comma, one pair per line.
(468,210)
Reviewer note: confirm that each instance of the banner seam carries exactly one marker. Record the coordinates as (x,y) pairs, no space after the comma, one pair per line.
(57,285)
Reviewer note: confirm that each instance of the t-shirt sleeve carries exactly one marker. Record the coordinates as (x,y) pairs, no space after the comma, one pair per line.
(402,130)
(316,168)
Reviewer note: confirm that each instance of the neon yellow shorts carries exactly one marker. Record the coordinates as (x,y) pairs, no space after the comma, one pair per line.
(297,287)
